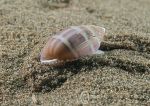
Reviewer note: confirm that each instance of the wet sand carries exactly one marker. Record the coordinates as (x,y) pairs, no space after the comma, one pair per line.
(119,77)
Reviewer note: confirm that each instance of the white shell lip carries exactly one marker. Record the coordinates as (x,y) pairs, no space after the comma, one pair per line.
(53,61)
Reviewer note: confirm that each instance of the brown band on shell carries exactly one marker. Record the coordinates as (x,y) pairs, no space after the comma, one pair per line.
(53,42)
(62,52)
(63,40)
(76,40)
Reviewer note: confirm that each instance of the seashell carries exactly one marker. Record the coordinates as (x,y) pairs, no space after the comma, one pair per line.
(73,43)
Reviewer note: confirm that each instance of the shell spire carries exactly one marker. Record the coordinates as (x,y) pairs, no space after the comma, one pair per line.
(73,43)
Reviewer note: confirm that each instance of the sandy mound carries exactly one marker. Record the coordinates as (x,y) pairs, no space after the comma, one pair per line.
(119,77)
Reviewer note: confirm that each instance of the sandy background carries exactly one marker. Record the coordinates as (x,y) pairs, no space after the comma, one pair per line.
(120,77)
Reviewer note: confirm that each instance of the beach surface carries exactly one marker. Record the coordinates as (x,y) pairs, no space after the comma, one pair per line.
(119,77)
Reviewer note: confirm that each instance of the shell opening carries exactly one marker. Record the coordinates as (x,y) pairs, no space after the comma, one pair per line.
(53,61)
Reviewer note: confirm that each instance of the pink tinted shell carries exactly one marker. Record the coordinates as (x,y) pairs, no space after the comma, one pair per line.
(73,43)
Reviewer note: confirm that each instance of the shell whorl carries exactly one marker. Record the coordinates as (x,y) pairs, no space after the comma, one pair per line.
(73,43)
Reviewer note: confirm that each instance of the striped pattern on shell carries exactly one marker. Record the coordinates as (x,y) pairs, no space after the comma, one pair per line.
(73,43)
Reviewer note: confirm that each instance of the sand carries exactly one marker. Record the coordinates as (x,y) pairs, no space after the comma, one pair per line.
(120,77)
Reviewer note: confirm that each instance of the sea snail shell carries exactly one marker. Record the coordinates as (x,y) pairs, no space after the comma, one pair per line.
(73,43)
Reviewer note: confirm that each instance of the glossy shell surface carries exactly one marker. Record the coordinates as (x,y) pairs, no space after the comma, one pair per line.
(72,43)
